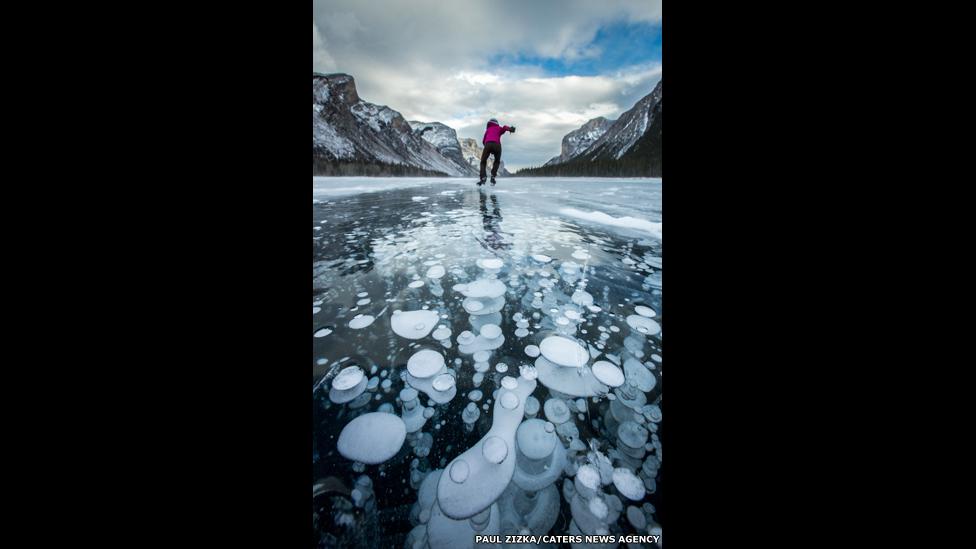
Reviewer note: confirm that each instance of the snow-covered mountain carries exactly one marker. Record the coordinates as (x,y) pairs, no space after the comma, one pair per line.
(471,149)
(630,127)
(445,140)
(581,139)
(630,146)
(353,137)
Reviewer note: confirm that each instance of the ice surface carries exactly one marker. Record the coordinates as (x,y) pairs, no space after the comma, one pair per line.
(548,274)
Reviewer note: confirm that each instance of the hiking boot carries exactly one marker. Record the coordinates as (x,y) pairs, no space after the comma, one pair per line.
(492,181)
(481,182)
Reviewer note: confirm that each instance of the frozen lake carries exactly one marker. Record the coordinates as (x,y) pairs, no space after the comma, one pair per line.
(431,300)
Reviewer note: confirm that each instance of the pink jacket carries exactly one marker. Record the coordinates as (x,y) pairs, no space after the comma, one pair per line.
(494,133)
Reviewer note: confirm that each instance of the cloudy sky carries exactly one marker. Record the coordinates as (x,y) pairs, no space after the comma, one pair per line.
(544,66)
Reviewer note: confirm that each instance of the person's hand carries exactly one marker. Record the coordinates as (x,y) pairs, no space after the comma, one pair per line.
(512,129)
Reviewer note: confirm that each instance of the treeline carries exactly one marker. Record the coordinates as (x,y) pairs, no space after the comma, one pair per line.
(601,167)
(328,167)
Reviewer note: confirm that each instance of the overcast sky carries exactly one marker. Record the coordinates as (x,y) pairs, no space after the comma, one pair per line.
(544,66)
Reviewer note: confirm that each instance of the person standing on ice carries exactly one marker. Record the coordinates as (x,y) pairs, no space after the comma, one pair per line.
(492,142)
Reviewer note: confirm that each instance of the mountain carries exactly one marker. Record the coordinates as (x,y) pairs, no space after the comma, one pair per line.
(630,147)
(353,137)
(581,139)
(445,140)
(472,149)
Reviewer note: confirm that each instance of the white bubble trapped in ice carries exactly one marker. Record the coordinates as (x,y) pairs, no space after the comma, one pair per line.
(645,311)
(413,324)
(322,332)
(607,373)
(425,363)
(643,325)
(564,351)
(361,321)
(435,272)
(532,351)
(629,484)
(372,438)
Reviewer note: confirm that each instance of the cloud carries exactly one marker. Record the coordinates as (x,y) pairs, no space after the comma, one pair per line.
(322,61)
(435,60)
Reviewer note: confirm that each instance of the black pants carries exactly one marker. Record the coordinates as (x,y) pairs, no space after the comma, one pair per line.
(495,149)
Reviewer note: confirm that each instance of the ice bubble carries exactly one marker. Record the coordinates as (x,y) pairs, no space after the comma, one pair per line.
(639,374)
(533,440)
(528,371)
(632,434)
(361,321)
(509,401)
(481,356)
(435,272)
(416,284)
(471,413)
(494,448)
(472,305)
(316,310)
(491,331)
(643,310)
(532,351)
(372,438)
(322,332)
(482,367)
(465,338)
(459,471)
(362,294)
(588,476)
(582,255)
(564,351)
(572,315)
(532,407)
(521,332)
(413,324)
(425,363)
(501,367)
(607,373)
(408,394)
(653,412)
(629,484)
(362,302)
(577,382)
(599,508)
(490,263)
(443,382)
(556,411)
(643,325)
(442,333)
(582,298)
(656,358)
(636,517)
(342,396)
(478,378)
(475,395)
(485,288)
(541,258)
(509,383)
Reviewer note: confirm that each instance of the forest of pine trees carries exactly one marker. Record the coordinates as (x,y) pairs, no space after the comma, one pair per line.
(326,167)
